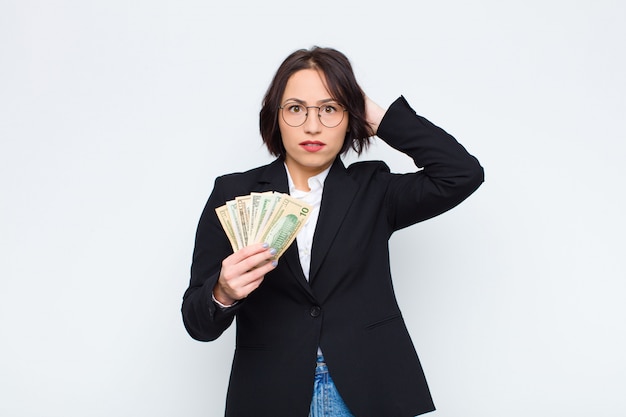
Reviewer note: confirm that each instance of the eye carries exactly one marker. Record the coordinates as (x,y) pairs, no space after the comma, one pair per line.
(295,108)
(330,108)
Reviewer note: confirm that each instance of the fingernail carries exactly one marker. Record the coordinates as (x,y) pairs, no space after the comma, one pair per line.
(274,263)
(266,245)
(272,251)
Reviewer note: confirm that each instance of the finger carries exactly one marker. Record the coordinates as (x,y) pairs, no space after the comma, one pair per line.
(246,252)
(233,274)
(254,261)
(262,268)
(241,286)
(252,279)
(250,269)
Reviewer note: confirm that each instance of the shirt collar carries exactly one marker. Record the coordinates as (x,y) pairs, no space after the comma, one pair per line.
(315,182)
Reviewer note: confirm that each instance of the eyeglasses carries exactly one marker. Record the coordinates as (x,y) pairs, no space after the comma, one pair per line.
(295,113)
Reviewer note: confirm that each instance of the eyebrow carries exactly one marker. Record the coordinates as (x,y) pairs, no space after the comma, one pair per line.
(326,100)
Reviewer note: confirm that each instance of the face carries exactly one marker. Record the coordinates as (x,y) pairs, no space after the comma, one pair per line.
(311,147)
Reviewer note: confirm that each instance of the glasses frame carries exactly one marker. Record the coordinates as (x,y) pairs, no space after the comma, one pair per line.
(306,115)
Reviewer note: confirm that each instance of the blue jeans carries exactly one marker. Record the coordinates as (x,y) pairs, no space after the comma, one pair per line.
(326,399)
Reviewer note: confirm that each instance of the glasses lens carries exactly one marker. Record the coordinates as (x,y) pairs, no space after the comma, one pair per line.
(331,114)
(294,114)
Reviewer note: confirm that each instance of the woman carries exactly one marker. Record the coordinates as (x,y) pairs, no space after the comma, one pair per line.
(330,295)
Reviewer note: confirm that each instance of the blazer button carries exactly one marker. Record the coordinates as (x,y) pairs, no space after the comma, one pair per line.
(315,311)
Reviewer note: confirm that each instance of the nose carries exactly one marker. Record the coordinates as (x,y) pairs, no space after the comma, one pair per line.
(312,124)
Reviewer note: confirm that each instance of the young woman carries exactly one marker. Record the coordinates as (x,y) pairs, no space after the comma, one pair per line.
(319,331)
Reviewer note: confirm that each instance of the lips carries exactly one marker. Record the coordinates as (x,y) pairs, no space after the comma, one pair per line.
(312,145)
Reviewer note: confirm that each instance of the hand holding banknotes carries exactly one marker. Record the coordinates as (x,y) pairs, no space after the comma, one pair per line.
(243,271)
(260,227)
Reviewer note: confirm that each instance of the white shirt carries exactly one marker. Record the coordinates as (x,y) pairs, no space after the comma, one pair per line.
(314,198)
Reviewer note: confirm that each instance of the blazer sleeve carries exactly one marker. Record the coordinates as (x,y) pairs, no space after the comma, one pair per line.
(203,319)
(449,175)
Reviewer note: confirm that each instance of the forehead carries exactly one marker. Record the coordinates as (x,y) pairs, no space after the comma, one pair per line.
(308,86)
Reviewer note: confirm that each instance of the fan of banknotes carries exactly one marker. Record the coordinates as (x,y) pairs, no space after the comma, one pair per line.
(271,217)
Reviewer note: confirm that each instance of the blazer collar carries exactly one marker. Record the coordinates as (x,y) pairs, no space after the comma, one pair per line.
(274,177)
(338,194)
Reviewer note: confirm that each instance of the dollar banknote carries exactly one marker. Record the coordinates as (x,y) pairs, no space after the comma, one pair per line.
(271,217)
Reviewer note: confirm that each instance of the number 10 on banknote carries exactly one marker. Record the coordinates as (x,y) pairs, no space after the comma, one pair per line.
(271,217)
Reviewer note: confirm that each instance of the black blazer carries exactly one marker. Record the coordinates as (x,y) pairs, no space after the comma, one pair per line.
(348,307)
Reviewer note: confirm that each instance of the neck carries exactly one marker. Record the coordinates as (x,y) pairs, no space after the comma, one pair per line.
(300,175)
(300,178)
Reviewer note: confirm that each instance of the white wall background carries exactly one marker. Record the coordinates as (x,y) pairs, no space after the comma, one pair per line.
(115,117)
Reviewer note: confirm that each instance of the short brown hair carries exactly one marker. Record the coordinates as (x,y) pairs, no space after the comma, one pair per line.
(341,84)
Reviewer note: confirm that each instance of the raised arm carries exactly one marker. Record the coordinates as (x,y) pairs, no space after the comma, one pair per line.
(449,175)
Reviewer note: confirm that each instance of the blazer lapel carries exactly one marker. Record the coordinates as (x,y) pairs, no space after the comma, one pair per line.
(274,178)
(339,191)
